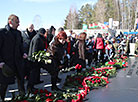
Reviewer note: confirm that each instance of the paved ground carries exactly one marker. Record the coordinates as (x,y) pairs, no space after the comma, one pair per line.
(122,88)
(46,85)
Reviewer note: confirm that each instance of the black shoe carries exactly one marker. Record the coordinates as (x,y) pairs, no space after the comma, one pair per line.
(56,89)
(39,82)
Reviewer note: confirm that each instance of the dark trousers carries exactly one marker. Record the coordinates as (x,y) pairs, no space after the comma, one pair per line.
(89,57)
(54,80)
(3,89)
(20,80)
(34,75)
(53,70)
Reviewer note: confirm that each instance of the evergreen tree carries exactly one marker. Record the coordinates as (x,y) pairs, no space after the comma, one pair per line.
(85,14)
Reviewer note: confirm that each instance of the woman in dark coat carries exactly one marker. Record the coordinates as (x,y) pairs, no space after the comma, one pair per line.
(57,50)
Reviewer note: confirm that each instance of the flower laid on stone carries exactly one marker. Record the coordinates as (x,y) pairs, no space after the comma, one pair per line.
(105,71)
(95,81)
(77,85)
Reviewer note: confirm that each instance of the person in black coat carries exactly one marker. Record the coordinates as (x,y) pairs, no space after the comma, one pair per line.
(56,49)
(11,54)
(51,34)
(27,35)
(89,50)
(37,44)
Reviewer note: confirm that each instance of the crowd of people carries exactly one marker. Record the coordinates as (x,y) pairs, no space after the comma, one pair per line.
(65,51)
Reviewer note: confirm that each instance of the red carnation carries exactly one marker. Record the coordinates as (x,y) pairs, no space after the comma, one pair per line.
(93,68)
(50,94)
(41,91)
(77,66)
(99,81)
(46,95)
(93,82)
(73,53)
(49,100)
(111,63)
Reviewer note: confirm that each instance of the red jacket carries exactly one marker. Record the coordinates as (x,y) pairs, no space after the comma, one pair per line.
(99,43)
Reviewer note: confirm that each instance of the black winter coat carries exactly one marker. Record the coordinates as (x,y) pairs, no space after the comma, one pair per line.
(57,50)
(37,44)
(11,52)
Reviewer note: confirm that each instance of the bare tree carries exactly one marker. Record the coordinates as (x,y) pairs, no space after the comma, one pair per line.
(100,11)
(117,5)
(136,14)
(72,19)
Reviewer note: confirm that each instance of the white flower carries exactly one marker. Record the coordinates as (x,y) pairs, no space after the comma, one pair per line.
(47,54)
(49,61)
(45,61)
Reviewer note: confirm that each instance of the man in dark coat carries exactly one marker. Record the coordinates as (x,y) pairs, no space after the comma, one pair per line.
(11,54)
(51,34)
(37,44)
(27,35)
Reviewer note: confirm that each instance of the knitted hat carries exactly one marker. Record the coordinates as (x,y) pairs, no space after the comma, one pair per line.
(42,30)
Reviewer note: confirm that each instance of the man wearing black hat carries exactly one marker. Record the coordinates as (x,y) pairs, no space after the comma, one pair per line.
(37,44)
